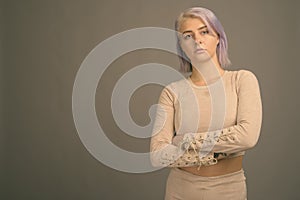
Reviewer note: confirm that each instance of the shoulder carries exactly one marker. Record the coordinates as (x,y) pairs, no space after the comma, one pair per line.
(243,73)
(174,89)
(177,86)
(246,80)
(244,76)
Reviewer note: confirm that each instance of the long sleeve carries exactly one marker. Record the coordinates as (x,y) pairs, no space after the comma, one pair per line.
(163,130)
(162,151)
(242,136)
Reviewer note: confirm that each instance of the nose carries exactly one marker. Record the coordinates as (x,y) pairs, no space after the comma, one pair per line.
(198,38)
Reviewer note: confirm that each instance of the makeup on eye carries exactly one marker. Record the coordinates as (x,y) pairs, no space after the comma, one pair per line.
(204,32)
(189,34)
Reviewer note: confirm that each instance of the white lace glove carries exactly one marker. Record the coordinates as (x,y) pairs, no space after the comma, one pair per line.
(191,156)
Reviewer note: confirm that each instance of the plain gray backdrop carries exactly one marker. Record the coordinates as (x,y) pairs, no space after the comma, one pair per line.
(43,44)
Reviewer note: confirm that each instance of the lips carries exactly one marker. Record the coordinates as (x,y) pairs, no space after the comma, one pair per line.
(199,50)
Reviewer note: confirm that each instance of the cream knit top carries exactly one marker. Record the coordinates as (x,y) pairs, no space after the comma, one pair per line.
(224,117)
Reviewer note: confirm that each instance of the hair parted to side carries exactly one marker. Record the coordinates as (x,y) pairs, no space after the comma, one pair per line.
(212,22)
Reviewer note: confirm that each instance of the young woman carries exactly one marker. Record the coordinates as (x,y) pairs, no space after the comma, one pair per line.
(205,122)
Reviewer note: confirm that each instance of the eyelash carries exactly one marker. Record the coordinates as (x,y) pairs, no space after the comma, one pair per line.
(206,31)
(186,37)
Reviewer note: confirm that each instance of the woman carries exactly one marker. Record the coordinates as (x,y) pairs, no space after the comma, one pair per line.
(205,122)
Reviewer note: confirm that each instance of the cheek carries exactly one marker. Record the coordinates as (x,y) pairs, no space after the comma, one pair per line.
(186,48)
(213,45)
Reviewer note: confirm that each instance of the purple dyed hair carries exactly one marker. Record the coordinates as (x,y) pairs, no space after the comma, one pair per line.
(212,22)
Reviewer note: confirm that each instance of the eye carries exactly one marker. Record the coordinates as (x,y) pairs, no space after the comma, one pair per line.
(187,36)
(204,32)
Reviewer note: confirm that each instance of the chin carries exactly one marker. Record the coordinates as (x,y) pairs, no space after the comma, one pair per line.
(201,58)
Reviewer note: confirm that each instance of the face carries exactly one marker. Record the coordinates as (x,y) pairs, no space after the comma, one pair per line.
(197,42)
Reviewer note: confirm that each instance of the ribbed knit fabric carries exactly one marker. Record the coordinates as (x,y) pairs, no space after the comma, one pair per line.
(223,117)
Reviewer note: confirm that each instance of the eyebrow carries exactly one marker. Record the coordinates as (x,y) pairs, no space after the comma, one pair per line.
(188,31)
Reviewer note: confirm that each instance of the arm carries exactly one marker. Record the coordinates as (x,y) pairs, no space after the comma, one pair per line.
(162,151)
(244,135)
(163,130)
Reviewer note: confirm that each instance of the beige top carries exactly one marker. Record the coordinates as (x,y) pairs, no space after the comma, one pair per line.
(227,113)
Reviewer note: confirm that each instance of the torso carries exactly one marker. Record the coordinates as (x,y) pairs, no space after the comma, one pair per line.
(185,119)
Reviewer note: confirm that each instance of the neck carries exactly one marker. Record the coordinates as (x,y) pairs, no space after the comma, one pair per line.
(204,73)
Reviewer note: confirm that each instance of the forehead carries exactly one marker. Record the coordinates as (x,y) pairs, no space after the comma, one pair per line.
(190,24)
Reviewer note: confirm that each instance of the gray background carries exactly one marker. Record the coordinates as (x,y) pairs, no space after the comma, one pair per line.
(42,46)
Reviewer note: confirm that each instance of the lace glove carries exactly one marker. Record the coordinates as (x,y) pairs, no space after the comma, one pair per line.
(187,154)
(191,158)
(204,142)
